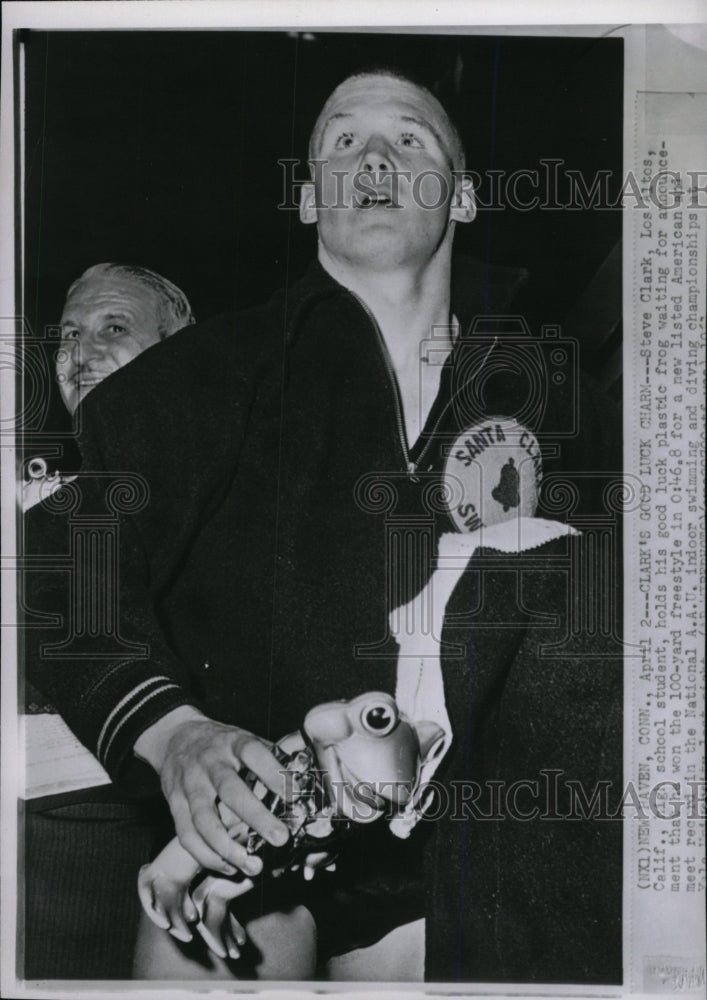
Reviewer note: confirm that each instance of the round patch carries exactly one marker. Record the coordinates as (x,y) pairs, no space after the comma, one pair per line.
(492,473)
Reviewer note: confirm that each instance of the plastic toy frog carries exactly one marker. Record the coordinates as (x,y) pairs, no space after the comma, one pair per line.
(353,762)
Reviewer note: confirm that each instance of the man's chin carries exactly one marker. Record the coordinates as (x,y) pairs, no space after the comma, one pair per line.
(79,395)
(70,400)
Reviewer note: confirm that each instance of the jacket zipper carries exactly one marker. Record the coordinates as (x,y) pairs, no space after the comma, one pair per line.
(443,413)
(411,467)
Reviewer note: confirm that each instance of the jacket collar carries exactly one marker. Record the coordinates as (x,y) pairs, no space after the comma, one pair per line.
(304,294)
(478,289)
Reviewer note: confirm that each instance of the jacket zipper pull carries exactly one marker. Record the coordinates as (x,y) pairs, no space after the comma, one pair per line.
(412,469)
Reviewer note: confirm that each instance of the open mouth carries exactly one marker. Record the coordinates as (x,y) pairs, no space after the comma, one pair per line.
(376,201)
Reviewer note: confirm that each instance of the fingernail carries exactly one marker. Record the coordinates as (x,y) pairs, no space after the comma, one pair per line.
(278,837)
(228,870)
(253,865)
(238,932)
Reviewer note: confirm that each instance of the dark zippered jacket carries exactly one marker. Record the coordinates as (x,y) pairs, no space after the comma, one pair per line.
(248,514)
(244,475)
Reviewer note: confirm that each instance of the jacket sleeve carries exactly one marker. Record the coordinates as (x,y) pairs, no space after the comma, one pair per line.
(158,439)
(92,645)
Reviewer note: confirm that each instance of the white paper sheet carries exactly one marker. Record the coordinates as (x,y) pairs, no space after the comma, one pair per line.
(55,760)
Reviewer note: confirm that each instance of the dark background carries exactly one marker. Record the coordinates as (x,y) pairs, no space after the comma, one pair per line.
(162,148)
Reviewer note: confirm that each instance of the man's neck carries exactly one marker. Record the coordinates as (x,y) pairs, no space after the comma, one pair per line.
(409,304)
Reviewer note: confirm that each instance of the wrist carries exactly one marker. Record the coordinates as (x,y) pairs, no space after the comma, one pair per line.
(151,745)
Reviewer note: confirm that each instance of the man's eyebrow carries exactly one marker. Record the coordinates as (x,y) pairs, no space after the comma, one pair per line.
(423,123)
(333,118)
(103,317)
(408,119)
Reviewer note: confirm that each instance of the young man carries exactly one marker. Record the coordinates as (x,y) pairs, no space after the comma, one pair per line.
(259,576)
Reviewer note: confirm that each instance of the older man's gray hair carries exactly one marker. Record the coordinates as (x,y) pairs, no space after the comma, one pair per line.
(175,311)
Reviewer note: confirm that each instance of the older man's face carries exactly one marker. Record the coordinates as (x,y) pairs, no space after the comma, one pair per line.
(384,194)
(107,321)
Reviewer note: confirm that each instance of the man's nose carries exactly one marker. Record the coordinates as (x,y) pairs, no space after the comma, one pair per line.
(87,344)
(376,157)
(95,343)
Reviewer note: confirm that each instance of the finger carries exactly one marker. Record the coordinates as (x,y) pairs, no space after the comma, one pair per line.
(331,867)
(317,859)
(292,743)
(191,841)
(202,834)
(242,861)
(232,949)
(190,911)
(156,913)
(147,898)
(259,759)
(161,914)
(247,864)
(212,886)
(233,890)
(229,931)
(237,931)
(212,924)
(214,944)
(179,928)
(236,794)
(236,828)
(227,815)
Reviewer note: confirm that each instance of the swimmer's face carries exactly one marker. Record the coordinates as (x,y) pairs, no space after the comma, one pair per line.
(385,191)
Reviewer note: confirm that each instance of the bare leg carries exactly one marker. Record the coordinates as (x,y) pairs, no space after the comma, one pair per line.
(280,946)
(399,957)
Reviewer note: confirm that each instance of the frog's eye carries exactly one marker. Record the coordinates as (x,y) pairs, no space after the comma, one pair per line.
(379,719)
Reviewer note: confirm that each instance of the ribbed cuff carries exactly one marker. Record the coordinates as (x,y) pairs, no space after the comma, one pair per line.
(123,704)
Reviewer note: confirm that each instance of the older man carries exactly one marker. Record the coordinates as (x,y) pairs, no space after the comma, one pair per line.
(261,574)
(112,313)
(83,848)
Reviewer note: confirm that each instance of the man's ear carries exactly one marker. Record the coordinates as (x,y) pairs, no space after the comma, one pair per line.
(464,202)
(307,203)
